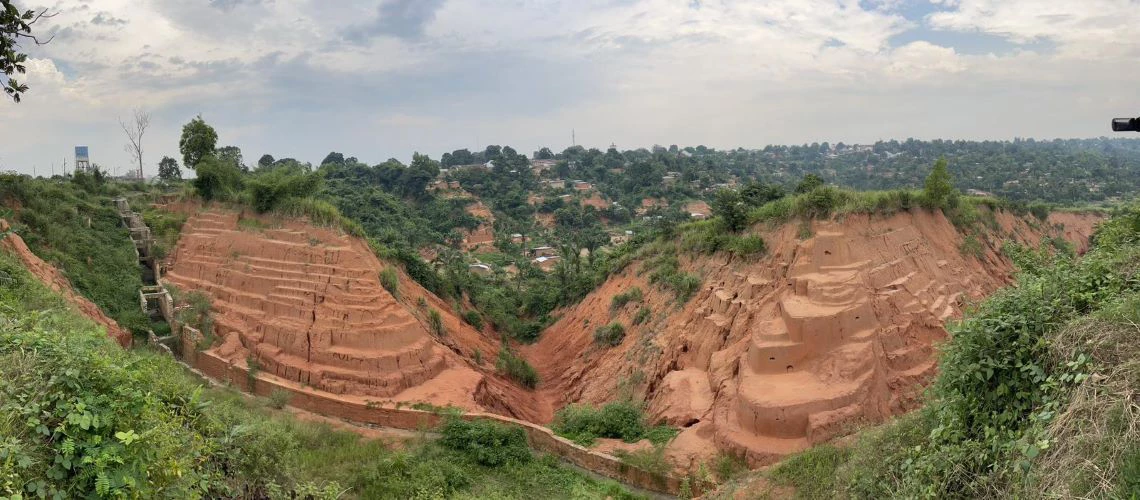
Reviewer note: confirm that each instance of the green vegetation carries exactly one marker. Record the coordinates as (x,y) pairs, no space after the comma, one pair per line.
(81,417)
(435,322)
(609,335)
(620,300)
(75,227)
(514,366)
(642,316)
(390,281)
(1032,397)
(473,318)
(812,473)
(665,271)
(583,423)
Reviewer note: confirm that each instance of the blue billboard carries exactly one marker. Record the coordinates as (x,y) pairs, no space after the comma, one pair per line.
(81,153)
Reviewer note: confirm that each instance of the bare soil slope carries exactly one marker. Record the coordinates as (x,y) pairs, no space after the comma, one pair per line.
(306,304)
(816,337)
(55,280)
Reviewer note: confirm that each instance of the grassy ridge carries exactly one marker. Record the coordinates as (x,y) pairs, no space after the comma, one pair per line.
(73,226)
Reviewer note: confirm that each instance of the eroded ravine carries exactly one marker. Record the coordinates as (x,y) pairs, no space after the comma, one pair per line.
(821,335)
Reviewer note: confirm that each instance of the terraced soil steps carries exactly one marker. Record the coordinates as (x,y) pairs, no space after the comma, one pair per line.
(306,307)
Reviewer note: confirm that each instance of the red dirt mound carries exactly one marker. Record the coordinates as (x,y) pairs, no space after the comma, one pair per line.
(817,337)
(55,280)
(306,303)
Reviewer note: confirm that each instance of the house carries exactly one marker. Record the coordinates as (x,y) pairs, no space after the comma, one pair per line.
(540,166)
(517,238)
(669,180)
(619,238)
(546,263)
(555,183)
(698,216)
(583,186)
(543,251)
(480,269)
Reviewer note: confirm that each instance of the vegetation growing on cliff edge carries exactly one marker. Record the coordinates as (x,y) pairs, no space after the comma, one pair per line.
(72,225)
(80,417)
(1034,396)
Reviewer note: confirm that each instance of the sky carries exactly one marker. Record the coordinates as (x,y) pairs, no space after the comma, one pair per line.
(383,79)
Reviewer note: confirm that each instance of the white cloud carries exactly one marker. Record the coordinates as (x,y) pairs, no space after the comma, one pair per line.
(286,77)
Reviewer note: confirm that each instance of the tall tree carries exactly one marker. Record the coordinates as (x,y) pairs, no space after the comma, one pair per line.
(730,209)
(168,169)
(198,141)
(265,161)
(333,158)
(939,187)
(14,26)
(232,155)
(135,130)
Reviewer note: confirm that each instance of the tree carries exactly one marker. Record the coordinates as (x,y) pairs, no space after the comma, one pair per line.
(809,183)
(15,25)
(168,169)
(544,154)
(215,178)
(232,155)
(197,142)
(727,205)
(265,161)
(757,193)
(939,188)
(333,158)
(135,131)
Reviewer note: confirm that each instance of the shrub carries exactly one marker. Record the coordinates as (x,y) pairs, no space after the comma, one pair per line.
(390,281)
(278,398)
(609,335)
(473,318)
(435,321)
(971,246)
(620,300)
(487,443)
(748,246)
(642,316)
(270,189)
(516,368)
(651,460)
(583,423)
(216,179)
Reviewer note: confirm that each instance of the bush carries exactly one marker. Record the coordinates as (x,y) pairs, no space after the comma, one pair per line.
(435,322)
(609,335)
(278,398)
(516,368)
(390,281)
(584,423)
(270,189)
(642,316)
(620,300)
(748,246)
(473,318)
(487,443)
(216,179)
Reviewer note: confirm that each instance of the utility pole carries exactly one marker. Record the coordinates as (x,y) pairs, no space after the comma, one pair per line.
(573,138)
